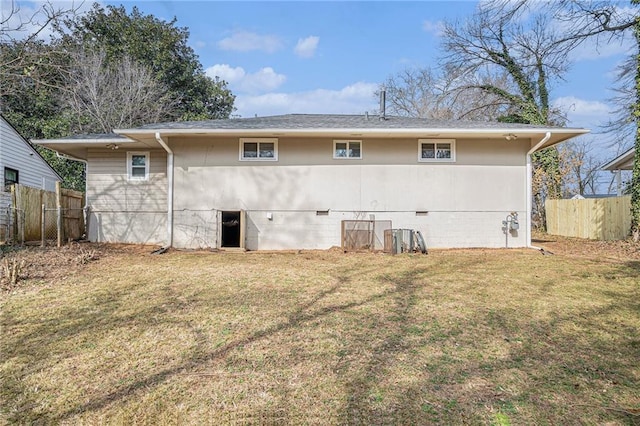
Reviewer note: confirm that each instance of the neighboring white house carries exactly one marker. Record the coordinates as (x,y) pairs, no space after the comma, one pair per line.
(619,164)
(287,182)
(21,163)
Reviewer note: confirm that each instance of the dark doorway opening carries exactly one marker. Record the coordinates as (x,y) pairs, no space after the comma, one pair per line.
(230,229)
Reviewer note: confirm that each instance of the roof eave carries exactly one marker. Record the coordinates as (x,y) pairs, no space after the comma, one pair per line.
(559,134)
(76,149)
(45,142)
(617,162)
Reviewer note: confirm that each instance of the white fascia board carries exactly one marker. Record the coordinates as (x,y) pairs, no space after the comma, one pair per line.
(616,163)
(45,142)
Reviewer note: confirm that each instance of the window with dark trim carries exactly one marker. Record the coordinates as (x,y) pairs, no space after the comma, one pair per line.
(11,176)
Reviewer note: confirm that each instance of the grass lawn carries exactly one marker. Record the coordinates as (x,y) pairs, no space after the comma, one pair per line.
(455,337)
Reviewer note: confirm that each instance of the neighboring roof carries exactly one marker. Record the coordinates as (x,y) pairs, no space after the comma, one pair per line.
(622,162)
(317,125)
(26,142)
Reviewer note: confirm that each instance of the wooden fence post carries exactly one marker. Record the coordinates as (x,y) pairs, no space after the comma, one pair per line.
(87,214)
(13,218)
(59,209)
(43,229)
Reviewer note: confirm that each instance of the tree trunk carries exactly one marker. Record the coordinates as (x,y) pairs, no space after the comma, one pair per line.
(635,179)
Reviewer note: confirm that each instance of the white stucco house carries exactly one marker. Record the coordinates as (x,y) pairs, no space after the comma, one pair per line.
(287,182)
(21,163)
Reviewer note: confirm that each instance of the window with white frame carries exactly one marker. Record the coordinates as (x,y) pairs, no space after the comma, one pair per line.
(437,150)
(264,149)
(347,149)
(138,165)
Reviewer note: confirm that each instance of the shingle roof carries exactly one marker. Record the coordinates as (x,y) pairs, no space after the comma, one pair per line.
(330,121)
(97,136)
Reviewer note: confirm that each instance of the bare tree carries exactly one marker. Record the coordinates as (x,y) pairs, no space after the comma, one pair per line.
(416,93)
(22,55)
(121,93)
(443,94)
(596,20)
(496,40)
(622,123)
(580,164)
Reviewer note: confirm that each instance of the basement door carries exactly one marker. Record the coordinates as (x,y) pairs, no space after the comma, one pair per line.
(232,228)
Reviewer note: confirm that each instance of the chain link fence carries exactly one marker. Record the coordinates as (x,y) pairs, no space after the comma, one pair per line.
(60,225)
(57,226)
(49,226)
(12,226)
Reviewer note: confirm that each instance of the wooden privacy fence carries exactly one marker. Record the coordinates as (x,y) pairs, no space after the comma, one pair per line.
(49,215)
(593,218)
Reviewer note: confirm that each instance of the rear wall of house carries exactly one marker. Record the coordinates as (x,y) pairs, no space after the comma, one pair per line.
(460,204)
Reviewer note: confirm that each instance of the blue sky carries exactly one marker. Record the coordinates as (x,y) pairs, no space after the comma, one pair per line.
(330,56)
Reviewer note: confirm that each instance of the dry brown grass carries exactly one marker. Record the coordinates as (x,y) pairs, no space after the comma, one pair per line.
(461,336)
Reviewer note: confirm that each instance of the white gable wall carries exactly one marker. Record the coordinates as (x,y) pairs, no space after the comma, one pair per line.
(16,154)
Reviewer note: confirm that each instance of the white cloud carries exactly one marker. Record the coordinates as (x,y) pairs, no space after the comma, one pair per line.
(353,99)
(604,49)
(582,112)
(245,41)
(306,47)
(226,72)
(436,28)
(263,80)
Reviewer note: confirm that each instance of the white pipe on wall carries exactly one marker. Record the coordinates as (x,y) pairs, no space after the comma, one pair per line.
(169,189)
(529,179)
(86,172)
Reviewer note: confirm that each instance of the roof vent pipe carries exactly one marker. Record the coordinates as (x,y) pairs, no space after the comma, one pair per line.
(383,101)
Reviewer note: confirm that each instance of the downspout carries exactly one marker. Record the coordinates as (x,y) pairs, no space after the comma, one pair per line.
(86,172)
(85,210)
(544,140)
(169,189)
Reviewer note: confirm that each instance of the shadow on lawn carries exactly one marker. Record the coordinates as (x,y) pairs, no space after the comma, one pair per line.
(45,344)
(365,399)
(634,268)
(107,318)
(543,363)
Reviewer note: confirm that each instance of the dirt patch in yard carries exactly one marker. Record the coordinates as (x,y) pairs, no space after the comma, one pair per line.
(39,266)
(44,266)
